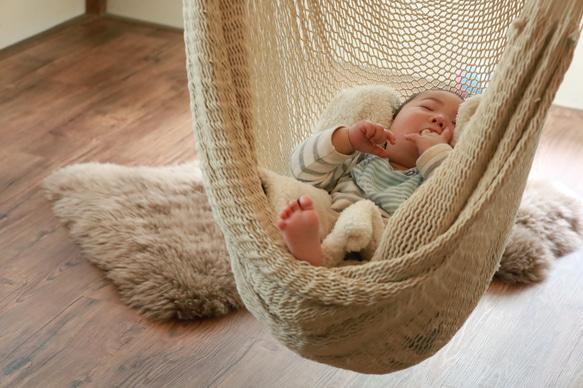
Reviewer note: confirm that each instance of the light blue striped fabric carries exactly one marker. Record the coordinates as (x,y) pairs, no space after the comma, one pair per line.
(383,185)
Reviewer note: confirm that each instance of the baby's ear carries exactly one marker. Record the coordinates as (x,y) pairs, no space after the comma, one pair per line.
(465,113)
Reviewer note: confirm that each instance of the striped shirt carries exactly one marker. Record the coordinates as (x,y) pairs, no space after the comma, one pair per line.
(384,185)
(316,161)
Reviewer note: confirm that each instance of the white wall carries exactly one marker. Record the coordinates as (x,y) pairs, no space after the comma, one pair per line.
(570,93)
(21,19)
(166,12)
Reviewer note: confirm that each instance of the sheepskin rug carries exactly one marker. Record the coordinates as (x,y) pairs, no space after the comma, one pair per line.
(152,232)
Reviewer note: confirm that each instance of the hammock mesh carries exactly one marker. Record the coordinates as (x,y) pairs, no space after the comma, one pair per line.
(260,74)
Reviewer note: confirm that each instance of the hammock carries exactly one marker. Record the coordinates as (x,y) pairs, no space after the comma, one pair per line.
(260,72)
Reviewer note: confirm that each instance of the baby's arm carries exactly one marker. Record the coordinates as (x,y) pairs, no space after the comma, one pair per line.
(365,136)
(433,149)
(315,161)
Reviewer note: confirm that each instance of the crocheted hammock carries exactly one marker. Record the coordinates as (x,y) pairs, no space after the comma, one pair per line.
(259,74)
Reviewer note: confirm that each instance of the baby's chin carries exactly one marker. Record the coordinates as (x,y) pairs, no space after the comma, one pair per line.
(401,165)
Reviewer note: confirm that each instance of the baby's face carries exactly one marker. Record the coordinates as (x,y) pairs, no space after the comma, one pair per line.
(435,110)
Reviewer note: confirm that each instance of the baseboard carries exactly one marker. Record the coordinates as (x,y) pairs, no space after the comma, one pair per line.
(144,23)
(12,49)
(95,7)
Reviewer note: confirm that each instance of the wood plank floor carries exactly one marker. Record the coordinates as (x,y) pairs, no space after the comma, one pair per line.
(111,91)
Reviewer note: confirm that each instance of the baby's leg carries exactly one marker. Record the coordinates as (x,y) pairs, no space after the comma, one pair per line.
(299,224)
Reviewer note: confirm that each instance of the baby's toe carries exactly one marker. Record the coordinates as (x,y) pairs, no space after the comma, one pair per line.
(293,205)
(281,224)
(305,202)
(285,212)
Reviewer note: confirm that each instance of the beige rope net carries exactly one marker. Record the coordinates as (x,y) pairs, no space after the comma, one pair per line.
(260,74)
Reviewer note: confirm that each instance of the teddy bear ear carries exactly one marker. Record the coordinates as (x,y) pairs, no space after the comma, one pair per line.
(372,102)
(465,113)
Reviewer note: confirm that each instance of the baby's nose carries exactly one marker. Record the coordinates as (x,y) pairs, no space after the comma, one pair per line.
(439,120)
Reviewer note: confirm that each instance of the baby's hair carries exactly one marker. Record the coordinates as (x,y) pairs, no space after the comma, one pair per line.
(411,97)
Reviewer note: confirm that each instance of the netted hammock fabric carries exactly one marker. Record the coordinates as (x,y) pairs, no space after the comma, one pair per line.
(260,73)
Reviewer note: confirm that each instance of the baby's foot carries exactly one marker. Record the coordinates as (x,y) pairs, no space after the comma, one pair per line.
(300,226)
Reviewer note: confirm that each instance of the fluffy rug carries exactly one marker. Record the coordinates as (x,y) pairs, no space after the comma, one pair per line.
(152,232)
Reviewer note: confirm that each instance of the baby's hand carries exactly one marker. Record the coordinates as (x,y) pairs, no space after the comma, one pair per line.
(428,138)
(367,136)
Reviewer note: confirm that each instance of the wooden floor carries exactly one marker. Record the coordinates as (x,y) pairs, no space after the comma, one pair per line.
(111,91)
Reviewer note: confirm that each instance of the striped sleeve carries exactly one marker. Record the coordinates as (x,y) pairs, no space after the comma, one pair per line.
(316,161)
(432,158)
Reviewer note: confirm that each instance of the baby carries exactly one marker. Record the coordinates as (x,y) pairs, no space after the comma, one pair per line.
(368,161)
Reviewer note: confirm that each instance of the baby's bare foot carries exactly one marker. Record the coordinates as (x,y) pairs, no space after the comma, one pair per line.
(299,224)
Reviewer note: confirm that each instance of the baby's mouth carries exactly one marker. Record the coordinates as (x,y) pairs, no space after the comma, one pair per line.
(430,130)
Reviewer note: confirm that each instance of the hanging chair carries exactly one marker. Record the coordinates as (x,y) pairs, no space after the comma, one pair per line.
(261,72)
